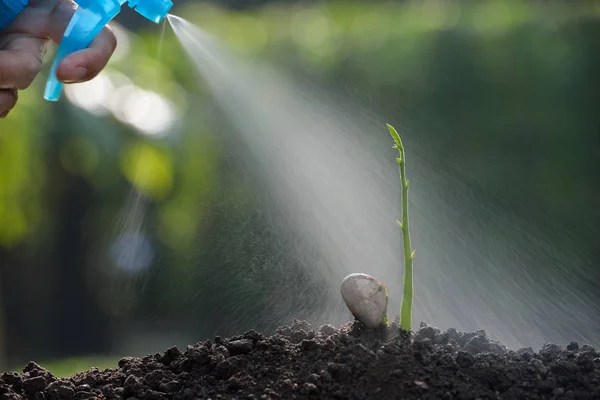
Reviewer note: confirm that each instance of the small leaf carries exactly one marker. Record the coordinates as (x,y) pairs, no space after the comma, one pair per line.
(399,160)
(407,183)
(394,134)
(412,255)
(399,224)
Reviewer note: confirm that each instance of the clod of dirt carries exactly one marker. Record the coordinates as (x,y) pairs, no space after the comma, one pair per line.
(351,362)
(366,299)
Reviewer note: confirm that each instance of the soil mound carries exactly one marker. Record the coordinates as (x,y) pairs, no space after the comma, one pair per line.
(299,362)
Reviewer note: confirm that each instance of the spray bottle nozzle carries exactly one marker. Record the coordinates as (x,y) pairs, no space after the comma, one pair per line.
(89,19)
(154,10)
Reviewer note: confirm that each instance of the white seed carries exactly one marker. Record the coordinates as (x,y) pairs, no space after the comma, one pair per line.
(365,296)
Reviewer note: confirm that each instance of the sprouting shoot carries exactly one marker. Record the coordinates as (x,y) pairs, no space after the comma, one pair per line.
(409,255)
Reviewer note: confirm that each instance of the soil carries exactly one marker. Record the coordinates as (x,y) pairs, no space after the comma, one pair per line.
(299,362)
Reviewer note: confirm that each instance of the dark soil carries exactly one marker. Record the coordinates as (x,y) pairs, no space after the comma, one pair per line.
(348,363)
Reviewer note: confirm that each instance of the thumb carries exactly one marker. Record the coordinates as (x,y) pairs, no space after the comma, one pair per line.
(85,64)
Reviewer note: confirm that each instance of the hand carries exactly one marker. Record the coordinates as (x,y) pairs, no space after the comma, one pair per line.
(23,44)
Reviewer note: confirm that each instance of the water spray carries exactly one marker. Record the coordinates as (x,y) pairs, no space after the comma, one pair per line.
(89,19)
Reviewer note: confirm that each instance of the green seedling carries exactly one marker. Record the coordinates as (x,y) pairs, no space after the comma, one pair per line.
(409,255)
(384,317)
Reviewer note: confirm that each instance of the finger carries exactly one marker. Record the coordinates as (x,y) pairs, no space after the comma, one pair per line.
(59,19)
(44,18)
(8,99)
(85,64)
(21,61)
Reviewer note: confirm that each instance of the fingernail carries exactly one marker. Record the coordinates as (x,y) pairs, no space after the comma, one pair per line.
(78,74)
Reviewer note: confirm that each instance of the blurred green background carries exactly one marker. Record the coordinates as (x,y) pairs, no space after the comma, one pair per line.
(114,203)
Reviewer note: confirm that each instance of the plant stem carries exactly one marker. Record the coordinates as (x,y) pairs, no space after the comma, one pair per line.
(409,255)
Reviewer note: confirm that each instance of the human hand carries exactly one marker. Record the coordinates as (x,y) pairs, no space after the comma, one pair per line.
(23,45)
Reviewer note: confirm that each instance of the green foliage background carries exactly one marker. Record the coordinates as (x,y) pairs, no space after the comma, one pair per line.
(504,87)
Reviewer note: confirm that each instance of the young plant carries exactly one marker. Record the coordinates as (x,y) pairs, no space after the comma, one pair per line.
(409,255)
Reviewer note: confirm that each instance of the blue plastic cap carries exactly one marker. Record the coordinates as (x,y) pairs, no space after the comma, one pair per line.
(9,9)
(154,10)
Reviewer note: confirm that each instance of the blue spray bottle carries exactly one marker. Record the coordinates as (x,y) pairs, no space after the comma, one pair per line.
(89,19)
